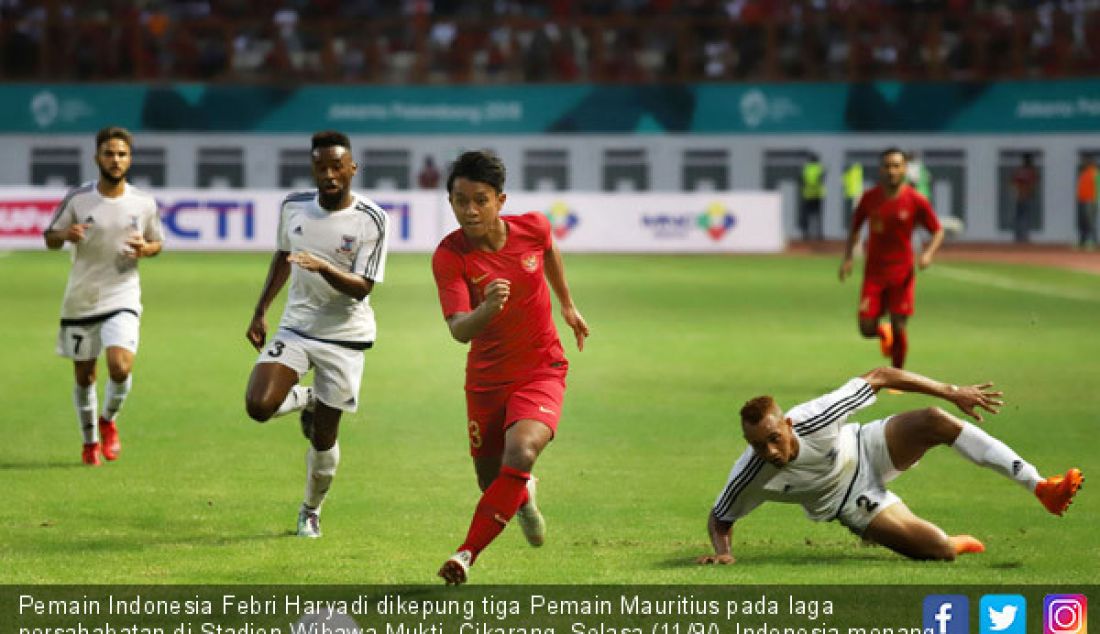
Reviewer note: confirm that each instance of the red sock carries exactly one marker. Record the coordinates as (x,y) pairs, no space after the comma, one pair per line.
(901,347)
(497,505)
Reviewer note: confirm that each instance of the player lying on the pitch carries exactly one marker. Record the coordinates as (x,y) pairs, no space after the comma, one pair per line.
(839,471)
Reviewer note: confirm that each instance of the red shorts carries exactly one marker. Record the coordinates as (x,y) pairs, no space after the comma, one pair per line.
(892,294)
(492,413)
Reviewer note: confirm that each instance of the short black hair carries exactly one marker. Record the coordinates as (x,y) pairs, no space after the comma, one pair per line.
(113,132)
(330,138)
(893,149)
(480,166)
(756,409)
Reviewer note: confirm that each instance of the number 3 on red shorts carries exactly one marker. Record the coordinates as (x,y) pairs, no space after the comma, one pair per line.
(475,434)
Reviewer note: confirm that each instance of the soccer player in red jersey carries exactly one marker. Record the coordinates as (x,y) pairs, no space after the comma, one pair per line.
(892,209)
(491,286)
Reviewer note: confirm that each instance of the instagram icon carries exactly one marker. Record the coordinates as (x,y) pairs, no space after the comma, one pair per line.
(1065,614)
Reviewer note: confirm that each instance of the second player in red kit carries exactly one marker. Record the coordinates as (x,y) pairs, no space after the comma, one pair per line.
(492,276)
(892,210)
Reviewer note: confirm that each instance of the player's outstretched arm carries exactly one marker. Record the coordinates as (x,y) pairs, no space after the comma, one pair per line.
(971,399)
(719,532)
(555,275)
(277,273)
(467,325)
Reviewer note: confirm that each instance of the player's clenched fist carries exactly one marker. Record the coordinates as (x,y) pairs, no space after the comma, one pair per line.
(497,293)
(257,332)
(75,233)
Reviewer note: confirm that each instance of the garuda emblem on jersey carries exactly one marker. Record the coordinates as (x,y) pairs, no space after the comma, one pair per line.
(347,244)
(530,262)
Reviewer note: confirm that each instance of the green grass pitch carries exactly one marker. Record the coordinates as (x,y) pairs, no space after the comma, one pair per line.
(203,495)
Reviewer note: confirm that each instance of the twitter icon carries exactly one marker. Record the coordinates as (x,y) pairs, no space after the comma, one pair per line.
(1003,614)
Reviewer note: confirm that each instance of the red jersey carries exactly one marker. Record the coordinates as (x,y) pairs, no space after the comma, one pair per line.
(890,228)
(521,339)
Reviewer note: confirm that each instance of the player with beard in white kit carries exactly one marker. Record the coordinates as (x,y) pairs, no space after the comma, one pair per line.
(111,225)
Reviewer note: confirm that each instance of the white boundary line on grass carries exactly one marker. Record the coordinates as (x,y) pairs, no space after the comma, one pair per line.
(1009,284)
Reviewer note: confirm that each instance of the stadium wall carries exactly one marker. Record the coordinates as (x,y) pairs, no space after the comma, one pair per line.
(971,173)
(584,138)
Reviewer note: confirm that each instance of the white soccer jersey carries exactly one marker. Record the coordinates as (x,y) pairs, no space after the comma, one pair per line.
(103,279)
(819,477)
(353,239)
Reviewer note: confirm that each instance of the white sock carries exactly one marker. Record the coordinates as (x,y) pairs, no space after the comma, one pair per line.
(114,396)
(297,398)
(85,403)
(320,469)
(984,450)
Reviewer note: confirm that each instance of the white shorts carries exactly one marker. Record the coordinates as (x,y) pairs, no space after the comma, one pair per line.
(339,370)
(867,495)
(84,340)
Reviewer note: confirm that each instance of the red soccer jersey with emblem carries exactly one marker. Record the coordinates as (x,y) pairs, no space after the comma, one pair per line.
(521,340)
(890,224)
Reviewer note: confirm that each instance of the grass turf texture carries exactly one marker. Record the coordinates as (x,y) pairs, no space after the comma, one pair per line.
(203,495)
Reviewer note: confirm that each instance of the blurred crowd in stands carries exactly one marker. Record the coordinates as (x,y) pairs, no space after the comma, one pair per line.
(510,41)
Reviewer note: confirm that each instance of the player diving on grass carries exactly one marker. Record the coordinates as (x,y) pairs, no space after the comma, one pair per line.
(492,277)
(837,470)
(332,247)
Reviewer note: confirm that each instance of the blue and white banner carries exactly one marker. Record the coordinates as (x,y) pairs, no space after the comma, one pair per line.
(247,220)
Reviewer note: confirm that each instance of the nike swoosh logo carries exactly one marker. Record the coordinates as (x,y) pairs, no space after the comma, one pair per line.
(477,280)
(545,411)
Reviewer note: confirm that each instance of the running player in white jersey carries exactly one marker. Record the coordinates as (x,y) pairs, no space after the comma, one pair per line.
(111,224)
(809,456)
(332,246)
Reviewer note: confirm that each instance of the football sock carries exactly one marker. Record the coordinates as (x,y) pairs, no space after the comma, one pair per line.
(900,348)
(320,469)
(984,450)
(114,395)
(85,402)
(497,505)
(296,399)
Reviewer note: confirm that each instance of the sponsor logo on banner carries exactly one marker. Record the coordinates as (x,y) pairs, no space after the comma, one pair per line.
(562,219)
(47,109)
(400,215)
(25,218)
(188,218)
(716,220)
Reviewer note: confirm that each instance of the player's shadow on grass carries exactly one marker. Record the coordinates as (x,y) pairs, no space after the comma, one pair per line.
(39,466)
(807,558)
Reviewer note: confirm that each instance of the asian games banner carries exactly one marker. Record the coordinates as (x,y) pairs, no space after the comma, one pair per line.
(247,220)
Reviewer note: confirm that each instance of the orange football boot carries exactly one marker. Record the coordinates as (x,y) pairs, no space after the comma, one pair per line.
(966,544)
(886,339)
(1056,492)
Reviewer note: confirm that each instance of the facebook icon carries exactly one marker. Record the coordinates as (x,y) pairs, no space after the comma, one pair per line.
(946,614)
